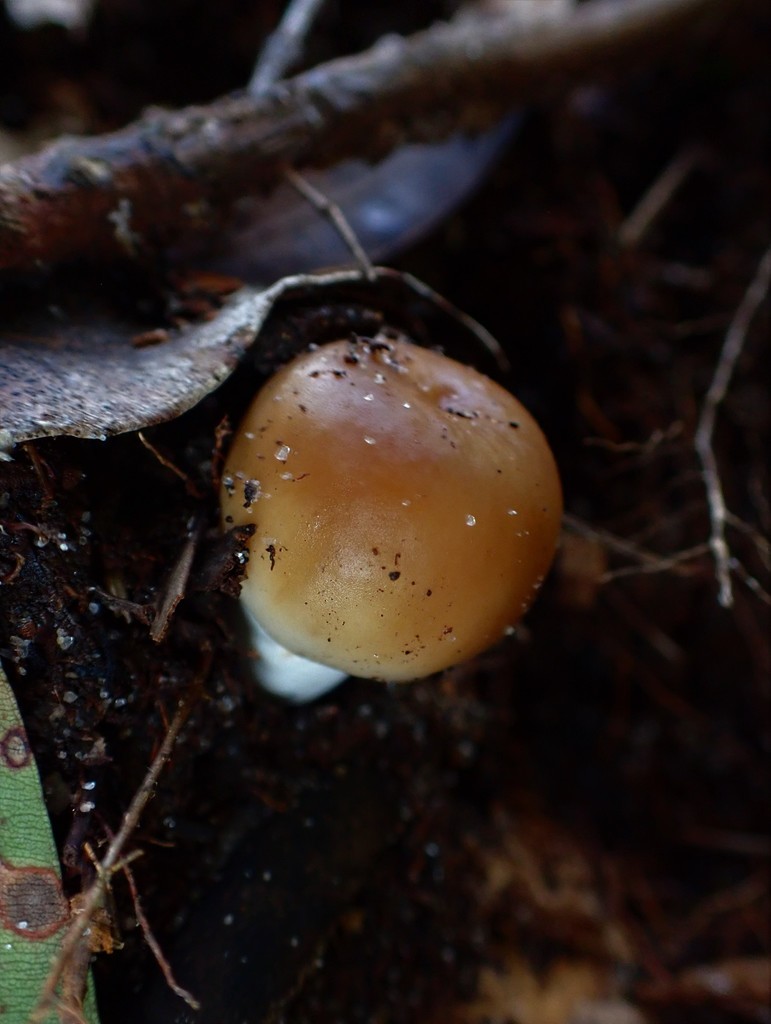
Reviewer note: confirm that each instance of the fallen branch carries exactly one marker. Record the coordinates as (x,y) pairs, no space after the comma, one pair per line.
(174,174)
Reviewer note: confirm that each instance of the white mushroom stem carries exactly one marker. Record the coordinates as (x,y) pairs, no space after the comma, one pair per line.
(286,674)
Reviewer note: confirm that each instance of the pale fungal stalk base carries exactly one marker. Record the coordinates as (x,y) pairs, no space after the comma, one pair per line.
(285,674)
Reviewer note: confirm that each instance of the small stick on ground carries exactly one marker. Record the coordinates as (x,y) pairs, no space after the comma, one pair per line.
(752,583)
(152,942)
(645,561)
(75,934)
(760,543)
(666,563)
(729,355)
(284,46)
(659,194)
(180,473)
(335,215)
(177,584)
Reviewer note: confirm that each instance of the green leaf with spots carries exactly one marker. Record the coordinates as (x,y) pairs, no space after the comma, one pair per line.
(34,912)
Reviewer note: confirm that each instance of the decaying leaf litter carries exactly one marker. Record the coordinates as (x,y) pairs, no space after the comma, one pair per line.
(609,782)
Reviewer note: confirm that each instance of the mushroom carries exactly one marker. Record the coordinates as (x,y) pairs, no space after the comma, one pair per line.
(406,509)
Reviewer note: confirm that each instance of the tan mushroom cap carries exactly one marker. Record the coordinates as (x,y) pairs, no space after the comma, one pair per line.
(406,508)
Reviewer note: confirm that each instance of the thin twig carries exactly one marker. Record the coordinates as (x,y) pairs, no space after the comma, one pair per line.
(167,463)
(177,584)
(761,544)
(284,46)
(733,345)
(656,439)
(658,640)
(77,930)
(336,217)
(659,194)
(650,560)
(751,582)
(664,563)
(153,943)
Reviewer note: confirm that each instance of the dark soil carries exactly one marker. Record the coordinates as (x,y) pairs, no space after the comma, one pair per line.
(590,796)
